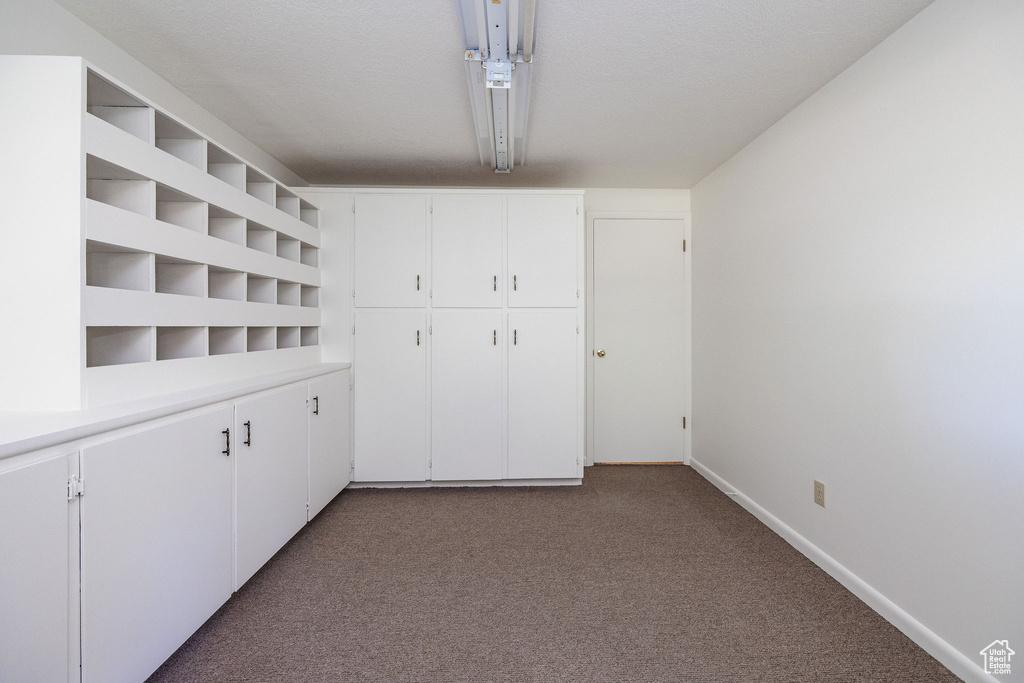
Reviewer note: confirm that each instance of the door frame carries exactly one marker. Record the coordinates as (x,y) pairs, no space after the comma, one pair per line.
(687,321)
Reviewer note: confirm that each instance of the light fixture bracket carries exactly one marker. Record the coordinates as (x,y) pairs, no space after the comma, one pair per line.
(499,73)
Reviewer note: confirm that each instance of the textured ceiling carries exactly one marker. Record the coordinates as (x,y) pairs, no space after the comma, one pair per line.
(625,93)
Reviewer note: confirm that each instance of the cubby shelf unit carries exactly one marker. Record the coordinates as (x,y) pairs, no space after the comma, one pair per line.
(181,259)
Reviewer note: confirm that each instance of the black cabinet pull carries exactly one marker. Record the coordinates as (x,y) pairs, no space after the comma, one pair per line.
(515,285)
(495,283)
(417,337)
(227,442)
(495,337)
(316,405)
(515,337)
(417,283)
(248,433)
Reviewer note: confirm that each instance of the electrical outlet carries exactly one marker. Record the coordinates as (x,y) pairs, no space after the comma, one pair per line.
(819,493)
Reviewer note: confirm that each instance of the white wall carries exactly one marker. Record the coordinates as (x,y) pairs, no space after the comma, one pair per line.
(858,318)
(633,199)
(42,27)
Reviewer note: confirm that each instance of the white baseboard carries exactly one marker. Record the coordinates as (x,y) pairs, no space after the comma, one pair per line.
(954,660)
(445,484)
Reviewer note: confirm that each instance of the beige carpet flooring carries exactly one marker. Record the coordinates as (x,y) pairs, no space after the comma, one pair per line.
(644,573)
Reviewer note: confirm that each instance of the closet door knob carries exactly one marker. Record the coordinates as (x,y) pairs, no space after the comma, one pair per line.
(600,353)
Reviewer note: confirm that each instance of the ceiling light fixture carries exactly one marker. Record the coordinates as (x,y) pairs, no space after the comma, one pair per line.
(498,74)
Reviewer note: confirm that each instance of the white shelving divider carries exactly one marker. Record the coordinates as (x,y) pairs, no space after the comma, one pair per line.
(191,253)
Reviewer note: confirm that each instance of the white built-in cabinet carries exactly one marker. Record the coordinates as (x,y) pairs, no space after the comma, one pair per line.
(444,391)
(330,433)
(390,396)
(156,542)
(271,475)
(391,239)
(117,547)
(466,397)
(37,615)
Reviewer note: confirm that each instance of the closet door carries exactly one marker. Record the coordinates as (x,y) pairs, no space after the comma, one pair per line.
(466,395)
(543,253)
(271,476)
(390,246)
(390,363)
(466,251)
(542,394)
(156,542)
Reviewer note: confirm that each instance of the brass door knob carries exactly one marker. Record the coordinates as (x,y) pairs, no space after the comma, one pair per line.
(600,353)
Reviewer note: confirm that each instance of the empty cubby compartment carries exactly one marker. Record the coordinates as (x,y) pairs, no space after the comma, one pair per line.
(261,290)
(260,238)
(309,336)
(117,345)
(287,202)
(226,340)
(225,167)
(309,255)
(260,186)
(180,342)
(287,337)
(106,101)
(107,265)
(226,284)
(287,248)
(288,293)
(175,276)
(180,209)
(260,339)
(310,296)
(309,214)
(116,186)
(226,226)
(180,141)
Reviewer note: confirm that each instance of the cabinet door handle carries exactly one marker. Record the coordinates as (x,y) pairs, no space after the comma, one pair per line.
(248,433)
(495,283)
(495,337)
(227,442)
(515,285)
(417,337)
(417,283)
(515,337)
(316,405)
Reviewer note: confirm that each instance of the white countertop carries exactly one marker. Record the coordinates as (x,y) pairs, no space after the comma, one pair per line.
(24,432)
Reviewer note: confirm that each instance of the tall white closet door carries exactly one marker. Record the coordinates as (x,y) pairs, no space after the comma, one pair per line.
(156,543)
(271,476)
(34,544)
(390,362)
(466,251)
(329,449)
(542,394)
(466,395)
(390,245)
(543,253)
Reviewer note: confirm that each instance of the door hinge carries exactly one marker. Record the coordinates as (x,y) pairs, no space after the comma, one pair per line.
(684,245)
(353,329)
(577,213)
(684,422)
(353,294)
(577,294)
(75,488)
(430,329)
(353,207)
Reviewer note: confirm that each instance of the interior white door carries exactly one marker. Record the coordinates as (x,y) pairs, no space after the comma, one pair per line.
(271,476)
(639,340)
(329,449)
(542,251)
(466,251)
(390,245)
(466,408)
(34,549)
(542,394)
(390,363)
(156,543)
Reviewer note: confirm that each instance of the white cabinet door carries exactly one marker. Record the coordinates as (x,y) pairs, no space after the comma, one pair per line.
(466,395)
(34,544)
(542,394)
(390,246)
(329,449)
(390,364)
(271,476)
(156,543)
(466,251)
(543,254)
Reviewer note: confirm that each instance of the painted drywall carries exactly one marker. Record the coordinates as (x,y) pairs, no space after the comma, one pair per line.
(42,27)
(631,199)
(858,292)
